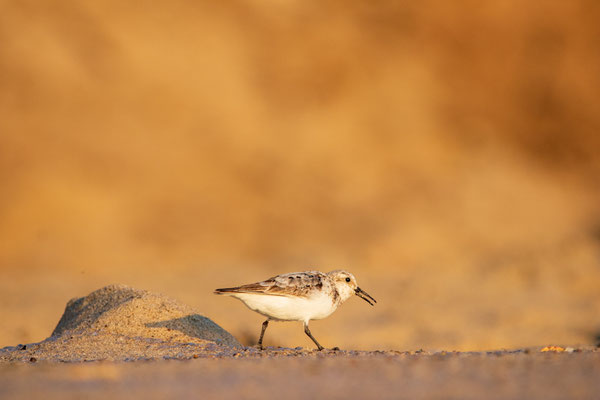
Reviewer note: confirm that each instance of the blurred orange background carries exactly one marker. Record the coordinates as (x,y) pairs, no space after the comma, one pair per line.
(447,153)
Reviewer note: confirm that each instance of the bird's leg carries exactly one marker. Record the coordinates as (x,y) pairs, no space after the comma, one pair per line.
(307,331)
(262,333)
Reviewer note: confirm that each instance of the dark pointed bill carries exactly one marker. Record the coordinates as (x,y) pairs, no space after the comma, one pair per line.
(364,295)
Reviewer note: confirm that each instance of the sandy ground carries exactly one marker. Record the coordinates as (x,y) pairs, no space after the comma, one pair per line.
(299,374)
(122,342)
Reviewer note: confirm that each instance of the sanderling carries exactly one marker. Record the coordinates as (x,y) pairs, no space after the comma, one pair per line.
(298,296)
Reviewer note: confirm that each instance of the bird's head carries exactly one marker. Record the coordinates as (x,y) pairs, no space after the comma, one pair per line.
(346,286)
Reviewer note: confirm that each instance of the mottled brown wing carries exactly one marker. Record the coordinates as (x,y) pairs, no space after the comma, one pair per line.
(292,284)
(250,288)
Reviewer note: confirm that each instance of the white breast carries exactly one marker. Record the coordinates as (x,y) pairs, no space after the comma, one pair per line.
(289,308)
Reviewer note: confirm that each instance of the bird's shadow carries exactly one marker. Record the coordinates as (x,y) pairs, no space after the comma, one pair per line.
(193,325)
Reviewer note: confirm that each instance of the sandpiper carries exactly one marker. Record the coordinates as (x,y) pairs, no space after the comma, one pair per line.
(298,296)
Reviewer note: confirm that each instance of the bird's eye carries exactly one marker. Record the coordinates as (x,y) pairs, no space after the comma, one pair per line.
(347,279)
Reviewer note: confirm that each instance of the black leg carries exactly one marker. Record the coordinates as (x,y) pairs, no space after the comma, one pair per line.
(262,333)
(307,331)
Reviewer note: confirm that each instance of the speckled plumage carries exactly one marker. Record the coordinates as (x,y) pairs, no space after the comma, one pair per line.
(300,284)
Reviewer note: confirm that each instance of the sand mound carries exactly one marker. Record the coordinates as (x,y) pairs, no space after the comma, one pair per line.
(123,310)
(118,322)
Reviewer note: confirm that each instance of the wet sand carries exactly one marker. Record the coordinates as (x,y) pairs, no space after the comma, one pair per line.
(295,374)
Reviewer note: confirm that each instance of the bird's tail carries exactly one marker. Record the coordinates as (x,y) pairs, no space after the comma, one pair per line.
(226,290)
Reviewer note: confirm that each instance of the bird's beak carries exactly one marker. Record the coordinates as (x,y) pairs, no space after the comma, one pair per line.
(364,295)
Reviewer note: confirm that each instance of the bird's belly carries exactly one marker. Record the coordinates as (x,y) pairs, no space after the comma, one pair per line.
(286,308)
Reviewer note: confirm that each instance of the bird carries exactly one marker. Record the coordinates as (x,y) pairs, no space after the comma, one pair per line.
(298,296)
